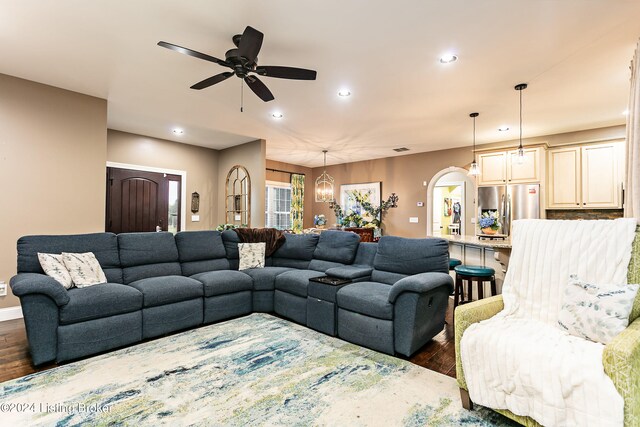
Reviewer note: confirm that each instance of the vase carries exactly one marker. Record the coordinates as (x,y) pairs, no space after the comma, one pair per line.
(489,230)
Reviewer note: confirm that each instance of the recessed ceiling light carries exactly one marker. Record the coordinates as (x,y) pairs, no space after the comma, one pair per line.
(448,58)
(344,92)
(625,113)
(178,131)
(503,128)
(277,115)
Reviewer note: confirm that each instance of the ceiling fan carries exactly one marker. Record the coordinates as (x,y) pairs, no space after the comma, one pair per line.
(243,61)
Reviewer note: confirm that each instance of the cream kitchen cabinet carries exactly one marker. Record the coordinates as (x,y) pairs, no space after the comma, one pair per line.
(587,176)
(503,167)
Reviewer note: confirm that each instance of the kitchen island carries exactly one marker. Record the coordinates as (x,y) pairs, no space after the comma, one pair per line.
(472,250)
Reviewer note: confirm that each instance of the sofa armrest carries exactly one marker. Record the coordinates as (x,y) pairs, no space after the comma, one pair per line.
(33,283)
(420,283)
(465,316)
(350,272)
(621,360)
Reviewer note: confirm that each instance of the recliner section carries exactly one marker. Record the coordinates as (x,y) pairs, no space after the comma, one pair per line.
(159,283)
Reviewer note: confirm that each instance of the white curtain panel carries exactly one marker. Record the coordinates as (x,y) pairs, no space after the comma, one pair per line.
(632,192)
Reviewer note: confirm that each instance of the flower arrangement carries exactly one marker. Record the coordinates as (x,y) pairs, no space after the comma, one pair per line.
(319,220)
(363,214)
(489,223)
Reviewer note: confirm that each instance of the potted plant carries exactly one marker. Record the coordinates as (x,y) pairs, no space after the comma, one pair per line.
(489,223)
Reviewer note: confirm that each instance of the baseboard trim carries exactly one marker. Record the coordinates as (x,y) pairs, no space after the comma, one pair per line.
(10,313)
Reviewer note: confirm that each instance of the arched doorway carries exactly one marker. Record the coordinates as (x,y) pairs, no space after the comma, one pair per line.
(453,184)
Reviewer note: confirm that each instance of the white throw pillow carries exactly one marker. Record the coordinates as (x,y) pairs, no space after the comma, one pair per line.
(596,312)
(54,267)
(84,269)
(251,255)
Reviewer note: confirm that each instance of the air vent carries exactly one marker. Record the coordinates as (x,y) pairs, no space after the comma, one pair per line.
(401,149)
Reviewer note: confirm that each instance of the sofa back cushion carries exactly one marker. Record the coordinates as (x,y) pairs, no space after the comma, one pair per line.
(366,253)
(301,264)
(145,255)
(103,245)
(337,246)
(411,256)
(201,251)
(230,240)
(297,246)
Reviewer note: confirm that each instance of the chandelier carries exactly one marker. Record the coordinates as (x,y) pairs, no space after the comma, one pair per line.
(324,184)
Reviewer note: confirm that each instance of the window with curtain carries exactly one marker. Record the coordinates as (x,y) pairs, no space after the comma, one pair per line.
(278,205)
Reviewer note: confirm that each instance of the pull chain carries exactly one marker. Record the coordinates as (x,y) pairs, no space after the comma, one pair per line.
(242,96)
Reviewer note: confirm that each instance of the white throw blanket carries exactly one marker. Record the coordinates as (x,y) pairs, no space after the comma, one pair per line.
(519,359)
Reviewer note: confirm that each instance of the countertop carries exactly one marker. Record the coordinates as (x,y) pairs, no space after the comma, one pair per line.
(476,241)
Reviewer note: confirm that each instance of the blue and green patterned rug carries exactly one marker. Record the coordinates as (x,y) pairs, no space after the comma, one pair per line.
(255,370)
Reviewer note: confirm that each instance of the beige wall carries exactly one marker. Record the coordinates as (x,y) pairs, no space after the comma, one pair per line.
(309,194)
(405,175)
(252,156)
(200,164)
(53,148)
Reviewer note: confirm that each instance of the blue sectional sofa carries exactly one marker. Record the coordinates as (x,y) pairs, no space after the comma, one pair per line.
(159,283)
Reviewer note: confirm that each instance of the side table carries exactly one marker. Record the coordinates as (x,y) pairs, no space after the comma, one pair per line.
(322,310)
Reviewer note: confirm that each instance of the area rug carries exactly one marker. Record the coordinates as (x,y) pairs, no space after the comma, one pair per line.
(255,370)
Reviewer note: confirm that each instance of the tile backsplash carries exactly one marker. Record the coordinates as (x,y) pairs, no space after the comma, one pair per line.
(584,213)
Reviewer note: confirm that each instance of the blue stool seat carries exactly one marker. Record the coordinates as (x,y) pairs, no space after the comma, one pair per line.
(453,262)
(472,275)
(471,270)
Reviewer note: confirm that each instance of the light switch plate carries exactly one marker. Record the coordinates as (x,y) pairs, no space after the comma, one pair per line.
(420,204)
(473,220)
(3,289)
(413,219)
(195,218)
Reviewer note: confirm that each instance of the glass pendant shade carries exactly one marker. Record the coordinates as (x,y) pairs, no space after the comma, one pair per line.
(324,184)
(520,87)
(474,170)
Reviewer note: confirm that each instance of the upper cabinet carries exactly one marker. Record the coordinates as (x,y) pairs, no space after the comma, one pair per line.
(503,167)
(587,176)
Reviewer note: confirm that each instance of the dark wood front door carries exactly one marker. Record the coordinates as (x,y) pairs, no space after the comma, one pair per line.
(138,201)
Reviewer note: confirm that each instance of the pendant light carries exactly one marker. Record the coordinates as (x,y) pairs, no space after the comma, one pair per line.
(324,184)
(520,87)
(474,170)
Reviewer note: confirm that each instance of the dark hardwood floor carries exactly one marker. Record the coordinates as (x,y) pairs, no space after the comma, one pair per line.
(15,361)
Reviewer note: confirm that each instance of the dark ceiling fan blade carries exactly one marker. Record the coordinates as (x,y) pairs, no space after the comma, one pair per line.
(250,44)
(212,80)
(259,88)
(286,72)
(193,53)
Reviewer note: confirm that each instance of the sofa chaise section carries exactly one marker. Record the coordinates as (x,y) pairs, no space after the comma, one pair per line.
(227,293)
(150,264)
(67,324)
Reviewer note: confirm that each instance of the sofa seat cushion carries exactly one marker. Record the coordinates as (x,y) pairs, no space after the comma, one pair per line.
(95,302)
(264,278)
(296,281)
(224,282)
(368,298)
(168,289)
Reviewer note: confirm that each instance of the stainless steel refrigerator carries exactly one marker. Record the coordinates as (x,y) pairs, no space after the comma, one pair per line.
(511,202)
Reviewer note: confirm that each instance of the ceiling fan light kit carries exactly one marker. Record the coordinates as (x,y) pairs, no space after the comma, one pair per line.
(243,61)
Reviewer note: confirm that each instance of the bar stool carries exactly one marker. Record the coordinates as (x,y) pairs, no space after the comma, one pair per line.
(472,274)
(453,263)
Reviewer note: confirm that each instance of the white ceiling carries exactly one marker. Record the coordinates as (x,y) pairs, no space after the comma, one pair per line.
(574,54)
